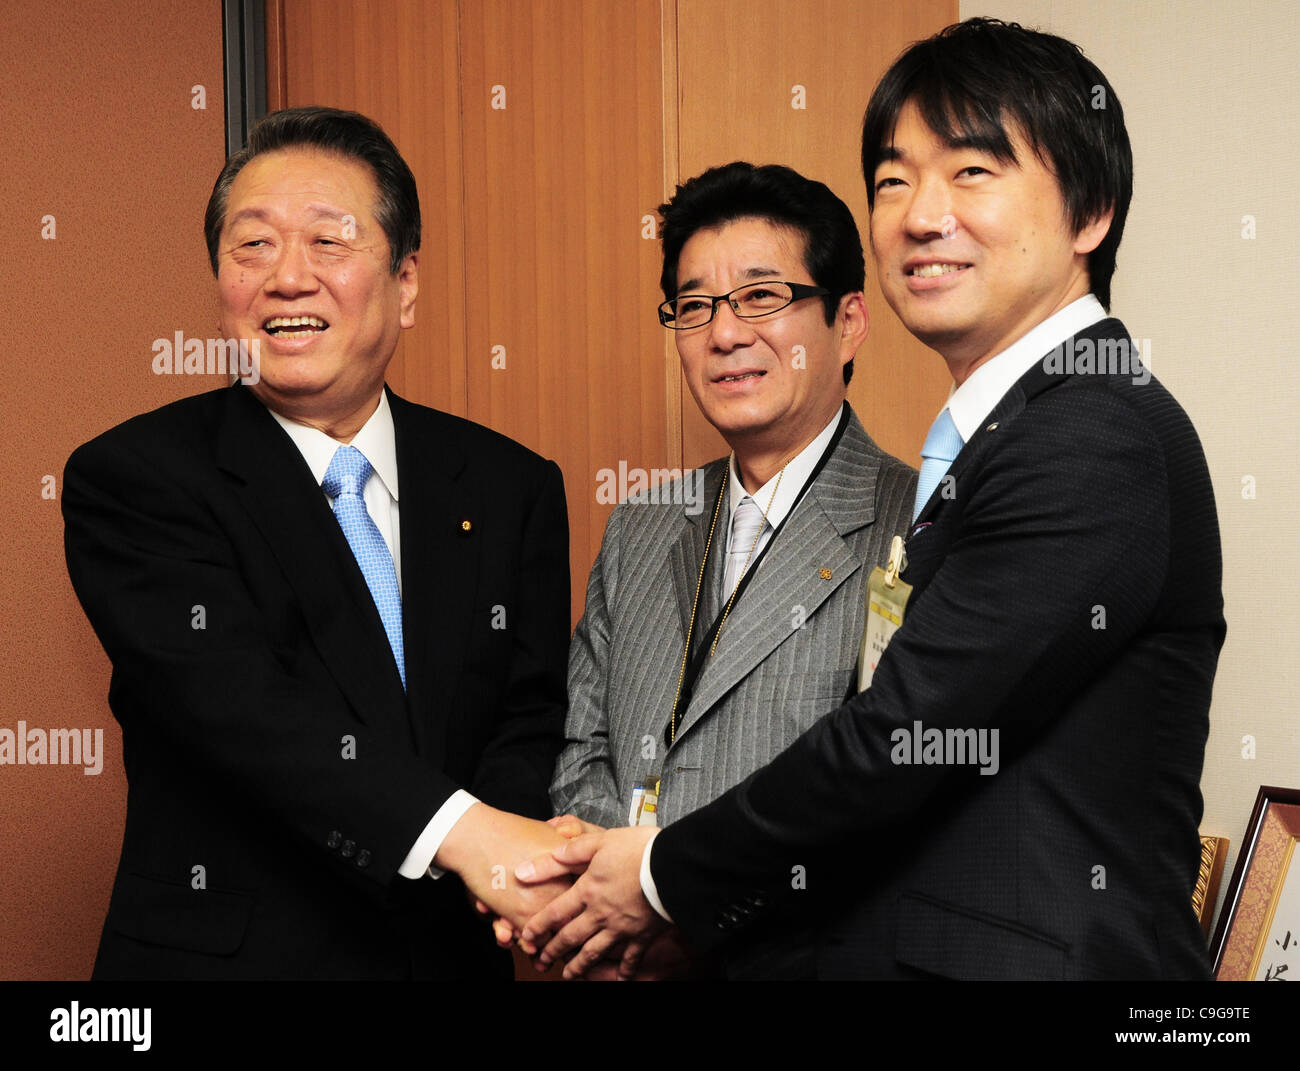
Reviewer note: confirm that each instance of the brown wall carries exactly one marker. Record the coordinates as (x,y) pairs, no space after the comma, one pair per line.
(534,213)
(533,241)
(100,133)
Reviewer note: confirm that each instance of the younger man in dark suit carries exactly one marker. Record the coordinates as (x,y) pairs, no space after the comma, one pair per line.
(1065,617)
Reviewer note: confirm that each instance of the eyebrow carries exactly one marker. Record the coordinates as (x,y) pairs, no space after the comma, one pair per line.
(747,274)
(967,142)
(316,211)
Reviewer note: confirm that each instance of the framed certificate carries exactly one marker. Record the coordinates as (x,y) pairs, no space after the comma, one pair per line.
(1258,935)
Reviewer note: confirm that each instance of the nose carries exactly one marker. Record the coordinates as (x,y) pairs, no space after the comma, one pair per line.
(929,212)
(727,331)
(292,273)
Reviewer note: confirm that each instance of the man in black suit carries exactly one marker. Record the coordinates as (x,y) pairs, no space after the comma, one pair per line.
(338,621)
(1065,619)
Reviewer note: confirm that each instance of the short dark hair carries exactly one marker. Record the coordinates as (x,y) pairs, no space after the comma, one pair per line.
(780,195)
(347,134)
(969,78)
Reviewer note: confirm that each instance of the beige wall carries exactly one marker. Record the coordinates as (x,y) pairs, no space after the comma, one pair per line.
(1211,111)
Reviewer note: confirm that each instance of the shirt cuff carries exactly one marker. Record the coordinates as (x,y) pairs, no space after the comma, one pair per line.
(419,860)
(648,881)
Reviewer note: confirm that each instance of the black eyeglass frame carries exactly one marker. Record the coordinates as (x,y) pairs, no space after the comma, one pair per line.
(798,291)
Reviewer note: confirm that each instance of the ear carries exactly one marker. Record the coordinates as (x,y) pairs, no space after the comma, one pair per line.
(408,282)
(854,324)
(1093,232)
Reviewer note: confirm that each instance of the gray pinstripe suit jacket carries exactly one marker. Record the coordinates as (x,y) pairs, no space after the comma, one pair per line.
(787,655)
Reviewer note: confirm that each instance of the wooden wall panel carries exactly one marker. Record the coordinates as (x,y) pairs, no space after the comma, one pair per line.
(738,64)
(102,133)
(558,176)
(397,62)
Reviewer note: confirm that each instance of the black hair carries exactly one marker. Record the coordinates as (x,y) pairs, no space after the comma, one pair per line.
(780,195)
(347,134)
(972,77)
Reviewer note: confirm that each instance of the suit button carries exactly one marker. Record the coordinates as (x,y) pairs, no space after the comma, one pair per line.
(334,839)
(349,849)
(363,858)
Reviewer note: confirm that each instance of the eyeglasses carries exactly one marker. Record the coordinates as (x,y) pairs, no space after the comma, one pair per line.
(747,302)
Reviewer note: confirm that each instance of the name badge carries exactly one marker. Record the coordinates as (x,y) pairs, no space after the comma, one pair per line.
(886,602)
(645,803)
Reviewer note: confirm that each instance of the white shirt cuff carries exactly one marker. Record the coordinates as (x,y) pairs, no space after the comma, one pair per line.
(648,881)
(419,860)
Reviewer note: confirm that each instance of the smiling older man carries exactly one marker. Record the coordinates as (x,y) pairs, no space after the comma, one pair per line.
(297,581)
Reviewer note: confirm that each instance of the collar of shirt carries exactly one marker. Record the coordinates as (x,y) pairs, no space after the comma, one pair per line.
(975,399)
(796,473)
(376,440)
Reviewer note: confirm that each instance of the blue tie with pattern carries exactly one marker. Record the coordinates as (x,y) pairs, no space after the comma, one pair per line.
(942,445)
(344,482)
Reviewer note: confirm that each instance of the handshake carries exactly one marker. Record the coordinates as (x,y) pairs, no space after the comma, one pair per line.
(522,872)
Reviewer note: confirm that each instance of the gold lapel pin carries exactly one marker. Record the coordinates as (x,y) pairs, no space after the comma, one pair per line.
(825,574)
(465,525)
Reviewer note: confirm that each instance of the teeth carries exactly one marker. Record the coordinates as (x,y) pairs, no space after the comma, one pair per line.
(737,379)
(929,270)
(294,321)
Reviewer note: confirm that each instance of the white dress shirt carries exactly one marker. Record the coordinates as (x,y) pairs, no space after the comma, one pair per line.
(792,478)
(378,442)
(975,399)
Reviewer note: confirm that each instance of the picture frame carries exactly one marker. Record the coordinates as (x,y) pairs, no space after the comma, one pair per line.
(1258,934)
(1214,852)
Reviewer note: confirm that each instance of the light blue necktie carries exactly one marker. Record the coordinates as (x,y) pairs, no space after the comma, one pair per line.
(344,482)
(942,445)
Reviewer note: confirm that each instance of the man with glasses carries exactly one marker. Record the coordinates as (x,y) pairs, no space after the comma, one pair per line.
(1065,616)
(713,637)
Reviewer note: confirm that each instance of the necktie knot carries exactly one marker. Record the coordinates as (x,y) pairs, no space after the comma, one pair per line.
(347,473)
(942,445)
(746,524)
(944,441)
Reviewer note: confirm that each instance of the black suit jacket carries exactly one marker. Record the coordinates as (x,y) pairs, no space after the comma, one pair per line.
(1068,596)
(278,775)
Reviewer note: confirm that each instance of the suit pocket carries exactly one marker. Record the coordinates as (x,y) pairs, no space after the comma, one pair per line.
(806,698)
(955,942)
(176,916)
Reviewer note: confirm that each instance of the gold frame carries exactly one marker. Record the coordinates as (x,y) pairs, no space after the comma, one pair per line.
(1214,853)
(1262,869)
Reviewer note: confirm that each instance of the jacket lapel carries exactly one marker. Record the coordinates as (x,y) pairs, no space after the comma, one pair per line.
(811,543)
(991,430)
(284,502)
(686,554)
(440,566)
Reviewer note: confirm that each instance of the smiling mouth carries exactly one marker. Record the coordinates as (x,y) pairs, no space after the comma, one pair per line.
(929,271)
(294,326)
(740,377)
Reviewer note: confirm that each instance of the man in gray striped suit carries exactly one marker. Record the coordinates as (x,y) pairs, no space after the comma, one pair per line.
(724,617)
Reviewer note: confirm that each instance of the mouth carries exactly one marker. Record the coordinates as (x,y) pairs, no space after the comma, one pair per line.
(293,327)
(740,377)
(933,270)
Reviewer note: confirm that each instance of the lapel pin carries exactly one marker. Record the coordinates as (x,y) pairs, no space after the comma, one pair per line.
(825,574)
(992,427)
(466,526)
